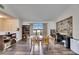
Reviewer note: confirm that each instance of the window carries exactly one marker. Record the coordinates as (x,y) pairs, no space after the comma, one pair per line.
(38,26)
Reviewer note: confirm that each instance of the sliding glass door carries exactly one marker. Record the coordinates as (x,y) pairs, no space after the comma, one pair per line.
(38,29)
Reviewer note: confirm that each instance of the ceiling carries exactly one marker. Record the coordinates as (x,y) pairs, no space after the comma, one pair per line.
(37,12)
(4,15)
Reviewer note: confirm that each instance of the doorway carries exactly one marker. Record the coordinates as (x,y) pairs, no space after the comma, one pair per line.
(25,31)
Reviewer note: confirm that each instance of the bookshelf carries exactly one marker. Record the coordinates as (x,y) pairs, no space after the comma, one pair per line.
(25,31)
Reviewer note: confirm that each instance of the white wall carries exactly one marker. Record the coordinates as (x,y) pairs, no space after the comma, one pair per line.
(51,24)
(72,11)
(20,32)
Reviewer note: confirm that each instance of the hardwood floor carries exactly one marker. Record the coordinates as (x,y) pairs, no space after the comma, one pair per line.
(59,50)
(21,48)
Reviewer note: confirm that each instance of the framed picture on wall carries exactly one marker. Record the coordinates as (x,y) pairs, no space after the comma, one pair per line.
(65,26)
